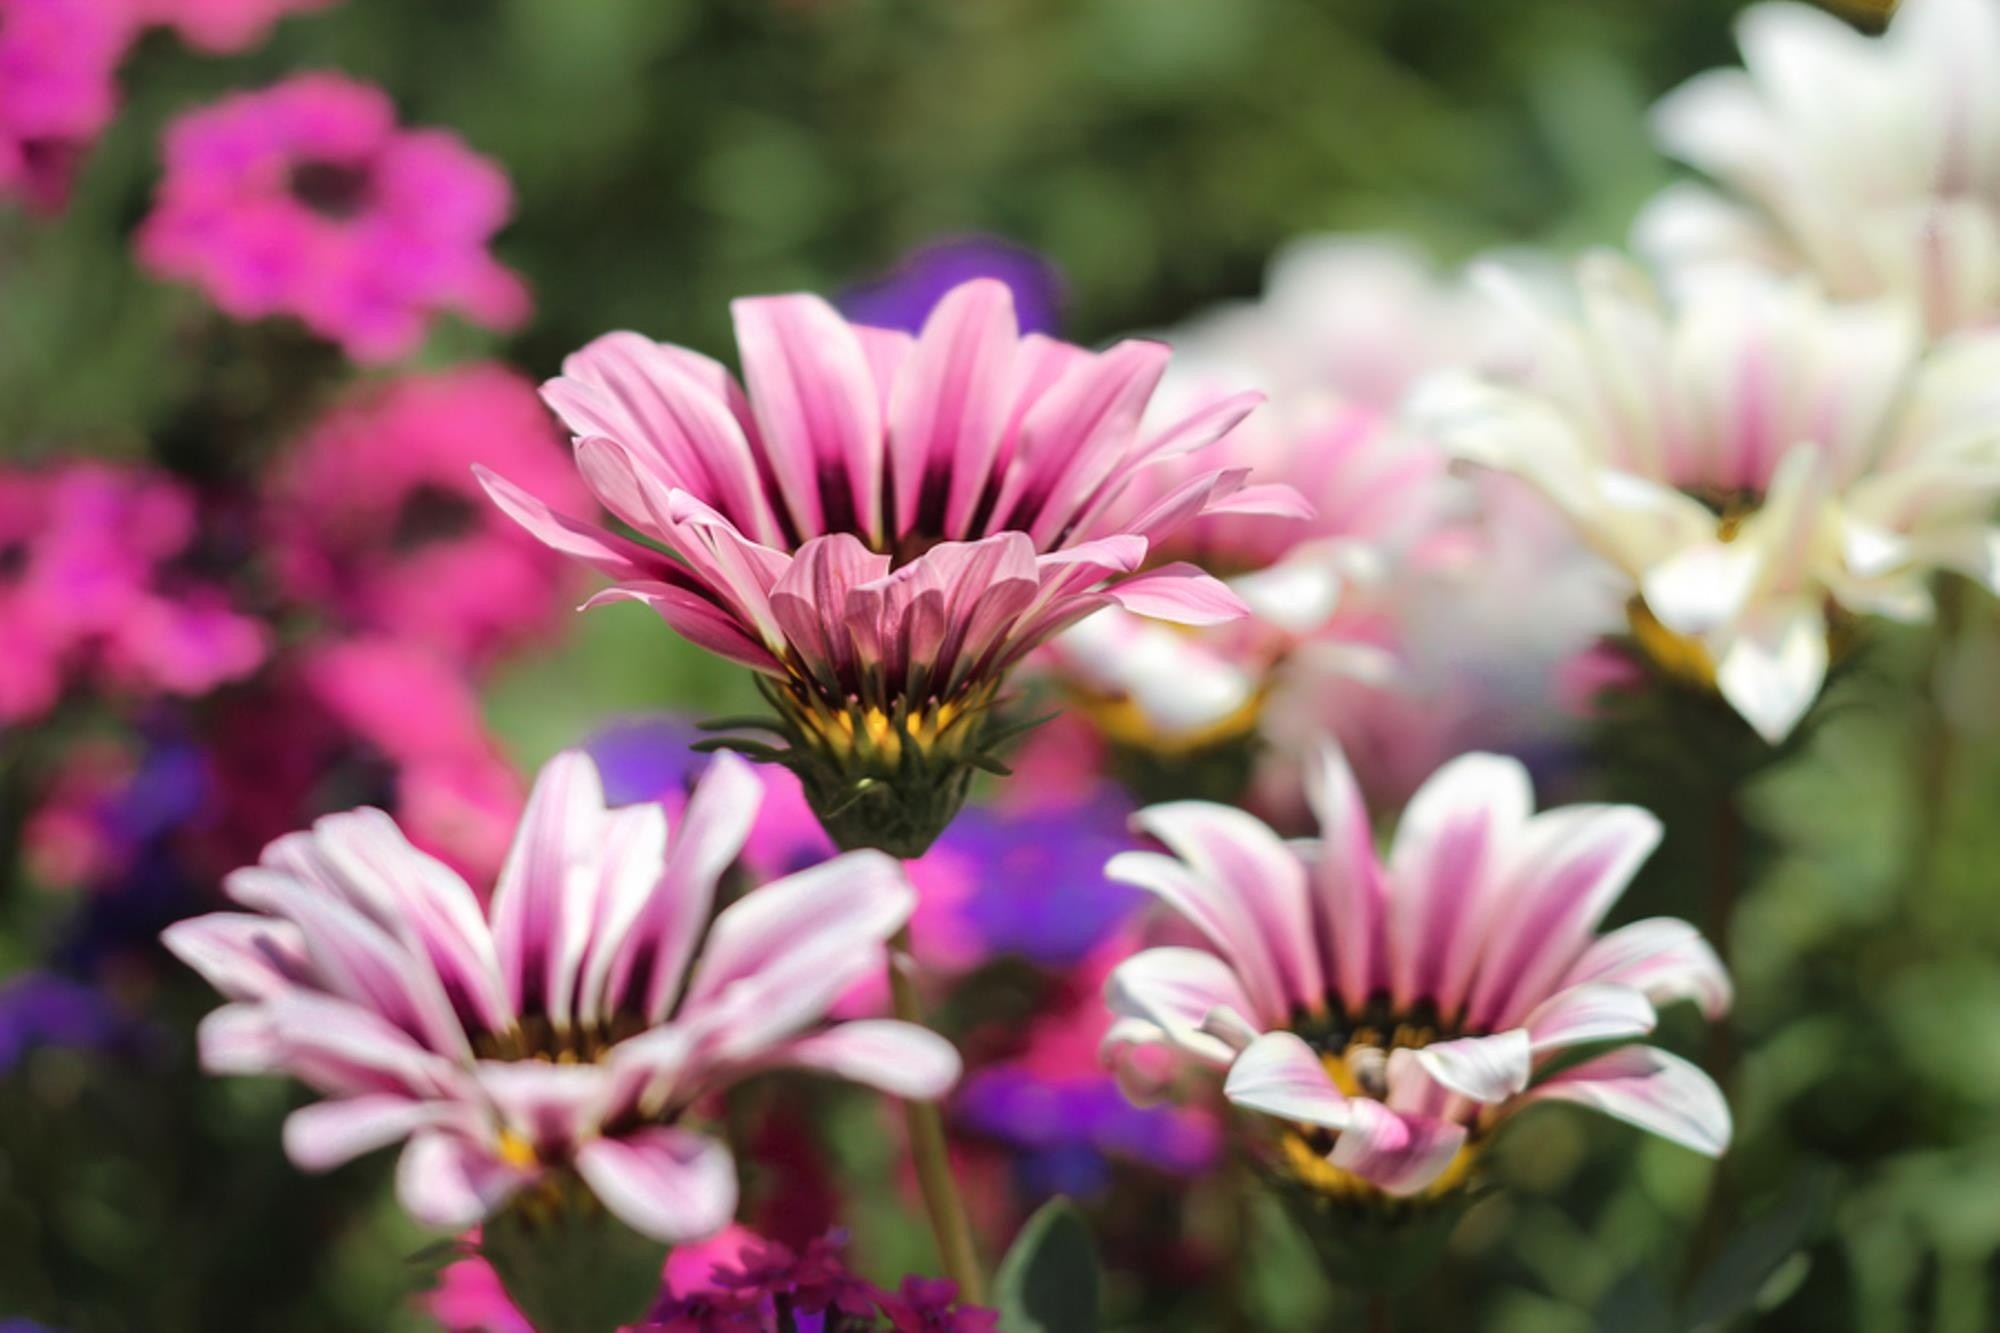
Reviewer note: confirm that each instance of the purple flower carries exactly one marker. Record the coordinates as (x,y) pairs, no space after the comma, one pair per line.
(42,1009)
(58,90)
(904,298)
(1039,888)
(307,199)
(930,1305)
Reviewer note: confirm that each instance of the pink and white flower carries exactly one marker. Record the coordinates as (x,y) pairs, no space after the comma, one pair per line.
(1389,1015)
(1872,163)
(1751,457)
(307,199)
(883,526)
(576,1025)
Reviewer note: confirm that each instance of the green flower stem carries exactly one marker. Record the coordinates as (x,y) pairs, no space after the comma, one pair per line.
(1725,887)
(1935,754)
(928,1152)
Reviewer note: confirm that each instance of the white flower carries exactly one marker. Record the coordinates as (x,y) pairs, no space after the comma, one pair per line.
(1749,455)
(1873,163)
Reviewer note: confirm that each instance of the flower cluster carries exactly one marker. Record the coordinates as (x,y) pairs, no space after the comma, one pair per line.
(307,199)
(769,1288)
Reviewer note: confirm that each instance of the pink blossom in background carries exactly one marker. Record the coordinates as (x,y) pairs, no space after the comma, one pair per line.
(223,26)
(58,90)
(573,1027)
(375,521)
(306,199)
(89,592)
(455,794)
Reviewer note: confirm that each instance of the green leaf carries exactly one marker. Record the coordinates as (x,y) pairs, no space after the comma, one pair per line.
(1731,1284)
(1048,1283)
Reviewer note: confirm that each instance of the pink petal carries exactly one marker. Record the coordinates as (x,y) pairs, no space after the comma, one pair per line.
(1217,908)
(628,874)
(901,1059)
(1239,853)
(1269,500)
(558,836)
(1448,853)
(1176,990)
(1660,1093)
(601,550)
(447,1180)
(949,406)
(810,604)
(1202,427)
(1664,959)
(1074,437)
(246,957)
(1571,866)
(671,1184)
(1590,1012)
(1486,1069)
(1180,594)
(1278,1074)
(324,1135)
(1400,1154)
(698,620)
(817,409)
(1348,881)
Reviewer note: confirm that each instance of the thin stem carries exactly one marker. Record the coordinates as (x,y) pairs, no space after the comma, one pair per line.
(928,1152)
(1725,888)
(1935,753)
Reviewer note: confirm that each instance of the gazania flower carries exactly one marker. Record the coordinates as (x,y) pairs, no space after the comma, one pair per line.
(1388,1016)
(573,1029)
(884,526)
(1754,459)
(307,199)
(1871,162)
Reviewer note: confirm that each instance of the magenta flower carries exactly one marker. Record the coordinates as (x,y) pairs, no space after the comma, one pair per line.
(376,520)
(89,591)
(1389,1016)
(306,199)
(573,1030)
(223,26)
(58,90)
(883,526)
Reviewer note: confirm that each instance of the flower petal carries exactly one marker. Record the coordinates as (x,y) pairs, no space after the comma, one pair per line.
(1400,1154)
(1278,1074)
(1486,1069)
(671,1184)
(1644,1086)
(901,1059)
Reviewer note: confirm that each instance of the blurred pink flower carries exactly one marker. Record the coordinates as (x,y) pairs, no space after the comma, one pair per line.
(223,26)
(375,519)
(88,591)
(572,1028)
(1390,1014)
(306,199)
(58,90)
(456,797)
(883,526)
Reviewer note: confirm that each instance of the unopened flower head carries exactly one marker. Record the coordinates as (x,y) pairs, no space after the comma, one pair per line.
(883,526)
(1758,461)
(572,1031)
(1871,162)
(1386,1016)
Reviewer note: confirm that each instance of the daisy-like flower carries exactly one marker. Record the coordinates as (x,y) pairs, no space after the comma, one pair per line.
(1872,162)
(1388,1016)
(1755,459)
(307,199)
(884,526)
(570,1032)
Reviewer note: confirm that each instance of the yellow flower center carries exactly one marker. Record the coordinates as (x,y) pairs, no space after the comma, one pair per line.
(1677,656)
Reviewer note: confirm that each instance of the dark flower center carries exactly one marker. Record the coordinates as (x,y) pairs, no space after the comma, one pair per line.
(13,560)
(432,514)
(332,189)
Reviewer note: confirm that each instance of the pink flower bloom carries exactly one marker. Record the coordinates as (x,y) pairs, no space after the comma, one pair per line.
(576,1026)
(58,90)
(306,199)
(87,591)
(223,26)
(883,526)
(376,520)
(1390,1015)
